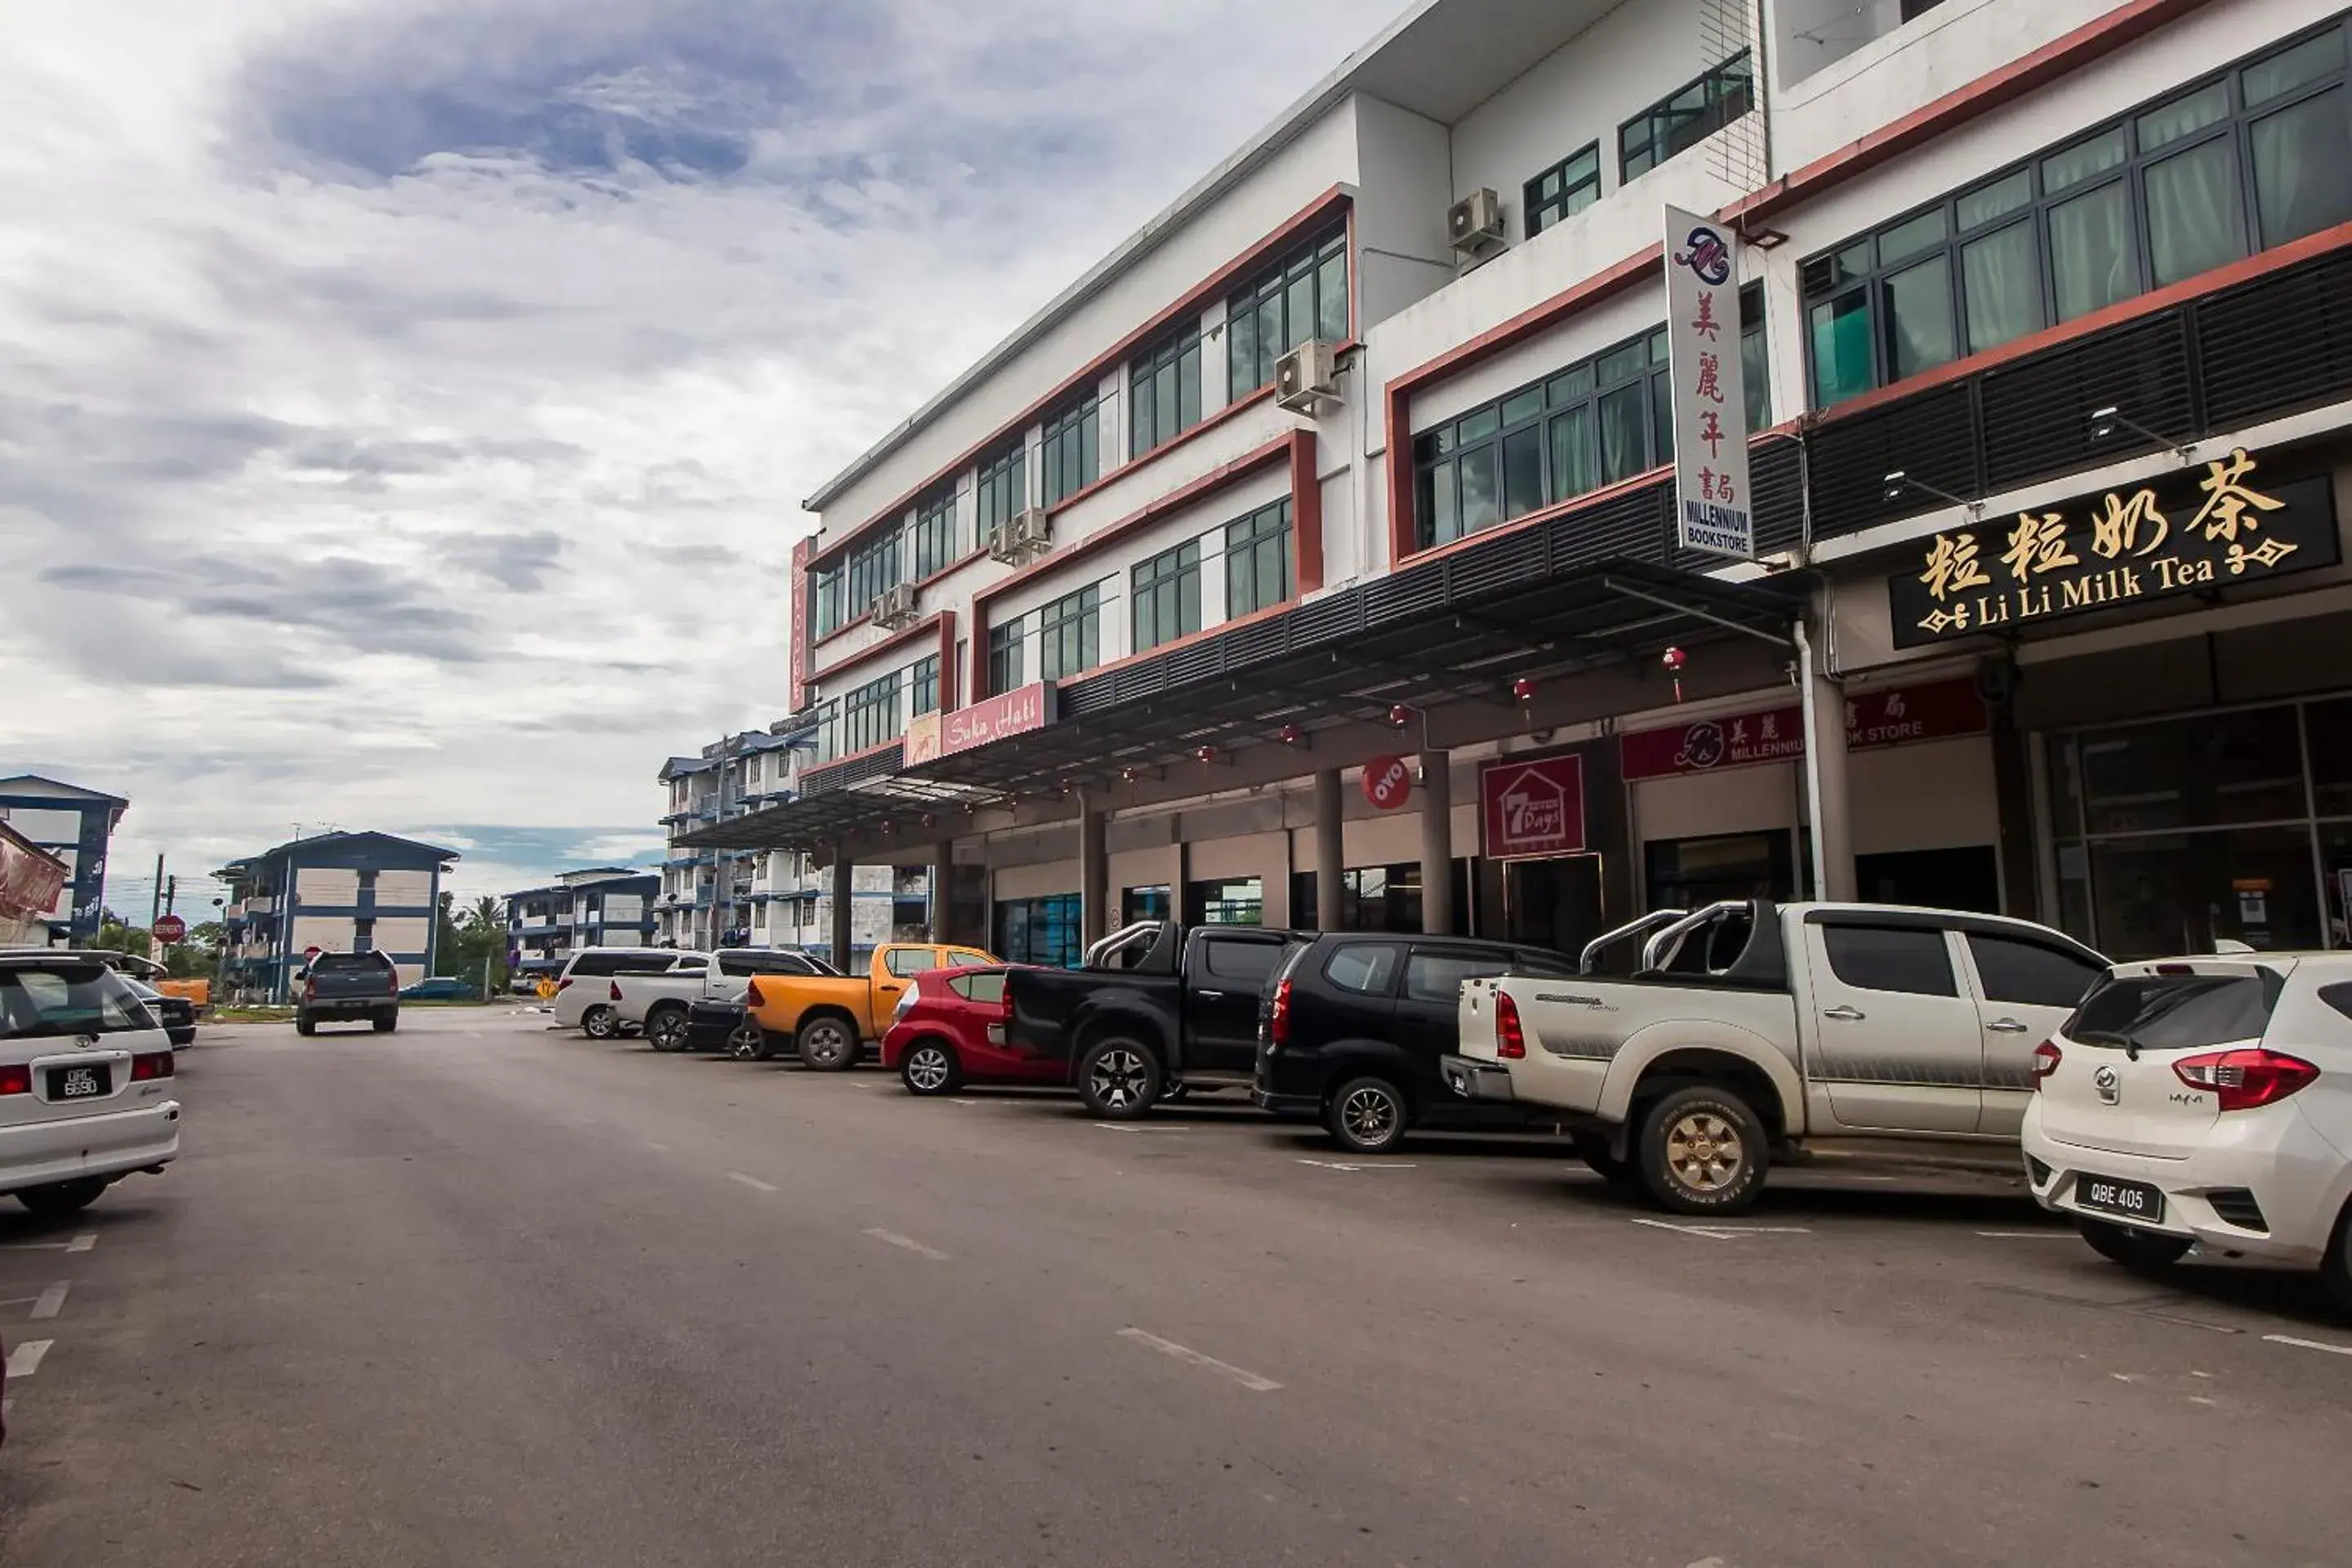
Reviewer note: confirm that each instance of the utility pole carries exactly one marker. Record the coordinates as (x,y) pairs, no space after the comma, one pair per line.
(171,893)
(155,904)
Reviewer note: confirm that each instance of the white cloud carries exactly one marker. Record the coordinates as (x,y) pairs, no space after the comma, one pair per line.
(404,408)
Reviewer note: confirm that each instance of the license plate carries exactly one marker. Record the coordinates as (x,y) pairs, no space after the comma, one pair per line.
(2108,1194)
(77,1083)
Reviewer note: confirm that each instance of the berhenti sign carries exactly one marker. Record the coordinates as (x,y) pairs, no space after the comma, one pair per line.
(2215,527)
(1889,716)
(1529,810)
(1712,508)
(937,735)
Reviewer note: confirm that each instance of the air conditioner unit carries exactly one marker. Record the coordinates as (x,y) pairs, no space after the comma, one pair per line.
(1021,538)
(1307,378)
(895,606)
(1475,224)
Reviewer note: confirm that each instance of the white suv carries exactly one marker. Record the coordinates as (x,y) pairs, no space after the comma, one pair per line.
(2204,1101)
(584,991)
(85,1090)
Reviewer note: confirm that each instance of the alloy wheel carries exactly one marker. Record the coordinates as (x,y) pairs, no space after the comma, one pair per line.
(825,1045)
(1118,1079)
(927,1069)
(1370,1116)
(743,1044)
(666,1032)
(1705,1152)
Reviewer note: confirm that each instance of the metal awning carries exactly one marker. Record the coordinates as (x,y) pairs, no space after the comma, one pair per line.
(1462,629)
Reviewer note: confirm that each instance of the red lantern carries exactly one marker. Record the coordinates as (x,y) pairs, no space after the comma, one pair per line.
(1400,716)
(1524,690)
(1207,754)
(1673,659)
(1290,734)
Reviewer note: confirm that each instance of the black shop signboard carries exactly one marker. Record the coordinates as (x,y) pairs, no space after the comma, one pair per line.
(2216,525)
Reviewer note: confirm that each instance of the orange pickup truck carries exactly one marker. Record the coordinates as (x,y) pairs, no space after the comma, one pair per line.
(828,1019)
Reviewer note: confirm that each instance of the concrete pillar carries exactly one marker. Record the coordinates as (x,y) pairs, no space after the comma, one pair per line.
(1828,793)
(845,893)
(1436,843)
(943,891)
(1094,874)
(1331,854)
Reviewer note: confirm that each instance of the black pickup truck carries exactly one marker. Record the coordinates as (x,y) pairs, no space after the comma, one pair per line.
(1156,1011)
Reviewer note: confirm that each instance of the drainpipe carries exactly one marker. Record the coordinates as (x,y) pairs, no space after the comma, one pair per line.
(1813,759)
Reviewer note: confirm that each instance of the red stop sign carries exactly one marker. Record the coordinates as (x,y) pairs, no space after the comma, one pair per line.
(170,929)
(1387,782)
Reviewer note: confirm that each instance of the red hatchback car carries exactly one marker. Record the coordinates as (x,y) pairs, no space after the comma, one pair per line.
(950,1031)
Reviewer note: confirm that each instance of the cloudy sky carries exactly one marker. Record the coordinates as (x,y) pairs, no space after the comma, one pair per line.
(405,407)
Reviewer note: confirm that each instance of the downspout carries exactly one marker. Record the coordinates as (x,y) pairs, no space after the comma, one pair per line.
(1819,858)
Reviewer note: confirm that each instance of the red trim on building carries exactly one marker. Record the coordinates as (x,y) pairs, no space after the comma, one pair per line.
(1305,516)
(797,624)
(1318,211)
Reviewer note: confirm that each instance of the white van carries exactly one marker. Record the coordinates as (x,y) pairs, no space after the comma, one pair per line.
(85,1090)
(583,992)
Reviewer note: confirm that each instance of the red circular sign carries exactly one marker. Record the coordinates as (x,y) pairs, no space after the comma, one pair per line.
(170,929)
(1388,781)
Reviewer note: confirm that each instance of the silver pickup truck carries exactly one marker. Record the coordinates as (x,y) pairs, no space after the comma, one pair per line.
(1752,1027)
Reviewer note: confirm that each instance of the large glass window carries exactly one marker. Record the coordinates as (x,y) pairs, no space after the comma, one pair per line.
(1257,560)
(1167,596)
(1565,189)
(1004,489)
(1684,119)
(1004,663)
(934,533)
(1069,635)
(825,602)
(871,715)
(2253,156)
(871,567)
(1164,392)
(1040,931)
(1229,901)
(1305,297)
(926,686)
(1071,458)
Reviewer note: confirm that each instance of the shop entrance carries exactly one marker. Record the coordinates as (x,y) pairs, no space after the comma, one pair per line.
(1967,879)
(1689,873)
(1553,903)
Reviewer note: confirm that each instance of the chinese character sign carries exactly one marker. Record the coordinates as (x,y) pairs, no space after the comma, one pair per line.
(1712,508)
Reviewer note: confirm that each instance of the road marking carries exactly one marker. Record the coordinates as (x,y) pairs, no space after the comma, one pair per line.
(658,1148)
(1725,1232)
(909,1244)
(1127,1127)
(1384,1165)
(52,1301)
(81,1243)
(2028,1234)
(751,1182)
(2308,1344)
(963,1102)
(1185,1353)
(26,1359)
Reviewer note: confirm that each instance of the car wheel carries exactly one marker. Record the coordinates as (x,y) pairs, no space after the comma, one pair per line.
(601,1023)
(1593,1149)
(827,1046)
(59,1199)
(2142,1250)
(305,1024)
(931,1069)
(385,1022)
(1120,1080)
(1367,1116)
(1702,1152)
(747,1042)
(666,1030)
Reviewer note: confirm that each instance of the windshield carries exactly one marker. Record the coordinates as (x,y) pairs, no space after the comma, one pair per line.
(83,999)
(2175,1012)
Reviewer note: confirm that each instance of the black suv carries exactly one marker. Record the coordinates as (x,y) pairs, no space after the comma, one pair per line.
(1353,1028)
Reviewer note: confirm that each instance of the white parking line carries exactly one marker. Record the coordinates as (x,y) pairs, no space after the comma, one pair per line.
(1185,1353)
(2028,1234)
(52,1301)
(753,1182)
(1383,1165)
(2306,1344)
(1129,1127)
(658,1148)
(81,1243)
(1725,1232)
(26,1359)
(909,1244)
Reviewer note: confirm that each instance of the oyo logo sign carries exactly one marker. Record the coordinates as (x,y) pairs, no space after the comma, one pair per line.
(1388,783)
(1707,256)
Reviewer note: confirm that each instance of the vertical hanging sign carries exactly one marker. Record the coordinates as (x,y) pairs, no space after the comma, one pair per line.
(1710,403)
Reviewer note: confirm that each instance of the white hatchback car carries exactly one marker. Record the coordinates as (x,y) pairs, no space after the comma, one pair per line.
(2206,1102)
(85,1090)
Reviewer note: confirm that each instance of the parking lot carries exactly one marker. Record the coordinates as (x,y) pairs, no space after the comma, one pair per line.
(484,1293)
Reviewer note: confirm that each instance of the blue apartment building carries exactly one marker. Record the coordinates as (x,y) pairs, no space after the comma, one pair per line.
(600,906)
(75,824)
(337,892)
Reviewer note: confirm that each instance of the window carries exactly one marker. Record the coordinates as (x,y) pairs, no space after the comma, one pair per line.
(2175,1012)
(934,533)
(743,964)
(1167,596)
(825,596)
(987,989)
(959,958)
(1369,969)
(1069,635)
(1004,671)
(1164,392)
(1071,458)
(1684,119)
(870,715)
(1435,975)
(57,1000)
(926,684)
(828,731)
(1305,297)
(692,966)
(1890,958)
(909,961)
(1242,962)
(1257,560)
(1144,904)
(1228,901)
(1040,931)
(1004,489)
(871,567)
(2030,973)
(2249,158)
(1565,189)
(363,936)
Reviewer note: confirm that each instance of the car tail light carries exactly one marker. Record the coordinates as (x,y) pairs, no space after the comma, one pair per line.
(156,1065)
(751,997)
(2243,1079)
(1510,1041)
(310,988)
(564,983)
(2046,1057)
(613,992)
(393,983)
(15,1080)
(1278,1023)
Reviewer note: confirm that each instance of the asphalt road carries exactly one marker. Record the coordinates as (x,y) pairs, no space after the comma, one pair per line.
(480,1294)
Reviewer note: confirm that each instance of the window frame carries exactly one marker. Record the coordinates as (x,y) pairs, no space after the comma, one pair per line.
(1074,618)
(1831,931)
(1710,116)
(932,538)
(1246,590)
(1828,277)
(1274,291)
(1005,663)
(1156,594)
(1562,205)
(923,686)
(1001,486)
(872,715)
(1070,456)
(1171,352)
(868,570)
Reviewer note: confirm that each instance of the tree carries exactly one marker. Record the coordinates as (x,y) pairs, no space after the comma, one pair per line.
(469,942)
(199,956)
(114,936)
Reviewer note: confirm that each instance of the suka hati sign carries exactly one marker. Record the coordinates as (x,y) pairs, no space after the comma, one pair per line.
(1532,810)
(1016,712)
